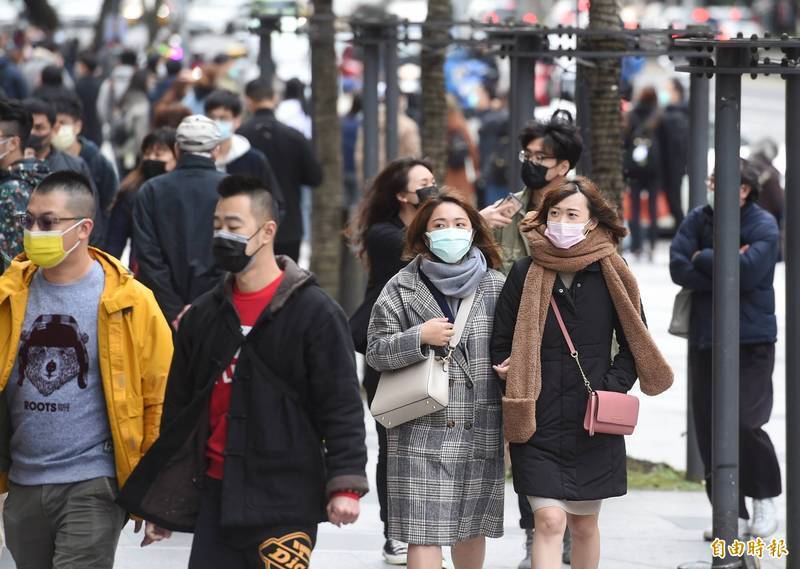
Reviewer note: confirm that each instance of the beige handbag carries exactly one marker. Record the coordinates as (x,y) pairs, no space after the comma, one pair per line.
(421,388)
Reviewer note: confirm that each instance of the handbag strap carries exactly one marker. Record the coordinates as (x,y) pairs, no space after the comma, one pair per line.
(461,319)
(572,351)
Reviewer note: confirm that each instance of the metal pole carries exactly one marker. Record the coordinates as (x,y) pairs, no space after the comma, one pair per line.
(372,51)
(792,316)
(522,102)
(725,381)
(392,90)
(698,172)
(267,25)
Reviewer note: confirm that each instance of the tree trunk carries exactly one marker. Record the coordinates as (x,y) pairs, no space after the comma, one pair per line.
(605,121)
(42,15)
(434,103)
(327,214)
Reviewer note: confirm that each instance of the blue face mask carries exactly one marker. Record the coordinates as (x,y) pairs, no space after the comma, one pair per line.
(225,129)
(450,244)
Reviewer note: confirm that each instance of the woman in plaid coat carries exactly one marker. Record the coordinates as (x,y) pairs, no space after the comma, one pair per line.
(445,470)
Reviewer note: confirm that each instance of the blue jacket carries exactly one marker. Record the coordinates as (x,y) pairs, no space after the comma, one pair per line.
(757,271)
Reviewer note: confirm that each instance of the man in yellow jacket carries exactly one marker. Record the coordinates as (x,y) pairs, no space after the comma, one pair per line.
(84,353)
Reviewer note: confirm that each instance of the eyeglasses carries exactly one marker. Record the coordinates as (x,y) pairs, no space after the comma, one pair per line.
(45,222)
(538,158)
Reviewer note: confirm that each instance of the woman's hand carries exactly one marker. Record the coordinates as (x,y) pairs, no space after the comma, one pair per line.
(436,332)
(502,369)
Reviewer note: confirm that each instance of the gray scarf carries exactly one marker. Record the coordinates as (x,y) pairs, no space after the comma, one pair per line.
(456,280)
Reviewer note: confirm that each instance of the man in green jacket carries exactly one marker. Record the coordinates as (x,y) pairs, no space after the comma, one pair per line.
(548,151)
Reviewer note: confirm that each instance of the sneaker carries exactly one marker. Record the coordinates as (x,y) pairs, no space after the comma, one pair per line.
(526,563)
(566,554)
(744,531)
(765,520)
(395,552)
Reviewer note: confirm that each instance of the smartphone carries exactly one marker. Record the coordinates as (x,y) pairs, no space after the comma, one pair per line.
(511,204)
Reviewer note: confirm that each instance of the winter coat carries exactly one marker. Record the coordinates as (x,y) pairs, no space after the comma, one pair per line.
(12,83)
(112,90)
(643,130)
(759,230)
(16,185)
(512,243)
(292,158)
(384,243)
(445,470)
(296,421)
(135,349)
(173,222)
(561,460)
(409,143)
(88,89)
(103,174)
(673,140)
(244,160)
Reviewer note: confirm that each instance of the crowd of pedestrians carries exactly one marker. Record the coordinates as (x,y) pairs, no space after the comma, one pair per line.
(209,384)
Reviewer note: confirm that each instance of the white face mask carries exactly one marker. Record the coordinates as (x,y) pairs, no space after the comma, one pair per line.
(710,198)
(8,151)
(65,138)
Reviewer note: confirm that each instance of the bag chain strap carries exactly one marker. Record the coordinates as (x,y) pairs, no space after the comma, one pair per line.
(572,351)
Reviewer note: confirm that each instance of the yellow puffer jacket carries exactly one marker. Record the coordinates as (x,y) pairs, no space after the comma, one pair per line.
(135,350)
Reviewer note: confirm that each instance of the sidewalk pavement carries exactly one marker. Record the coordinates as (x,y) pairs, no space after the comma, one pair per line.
(642,530)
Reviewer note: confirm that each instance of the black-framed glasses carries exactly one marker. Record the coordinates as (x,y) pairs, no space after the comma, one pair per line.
(538,158)
(45,222)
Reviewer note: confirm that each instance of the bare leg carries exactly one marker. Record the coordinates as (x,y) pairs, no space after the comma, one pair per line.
(547,539)
(424,557)
(469,554)
(585,541)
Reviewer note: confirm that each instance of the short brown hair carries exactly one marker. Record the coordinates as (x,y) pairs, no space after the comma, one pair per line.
(483,240)
(599,208)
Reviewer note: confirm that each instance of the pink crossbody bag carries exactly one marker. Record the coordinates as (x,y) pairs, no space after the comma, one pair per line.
(607,412)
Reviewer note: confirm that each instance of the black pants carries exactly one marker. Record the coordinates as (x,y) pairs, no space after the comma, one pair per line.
(371,378)
(637,187)
(759,471)
(289,248)
(215,547)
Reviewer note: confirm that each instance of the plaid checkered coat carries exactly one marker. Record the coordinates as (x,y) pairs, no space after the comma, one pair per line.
(445,470)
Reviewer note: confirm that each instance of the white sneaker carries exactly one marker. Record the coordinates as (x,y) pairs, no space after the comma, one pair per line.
(395,552)
(744,531)
(765,518)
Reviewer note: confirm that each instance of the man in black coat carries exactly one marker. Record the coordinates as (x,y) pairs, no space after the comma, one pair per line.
(87,87)
(262,433)
(288,152)
(172,221)
(236,154)
(692,266)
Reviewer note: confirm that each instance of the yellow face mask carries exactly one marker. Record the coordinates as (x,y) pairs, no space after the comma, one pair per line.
(46,248)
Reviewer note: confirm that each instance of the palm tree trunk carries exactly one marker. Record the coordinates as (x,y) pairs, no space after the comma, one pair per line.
(605,124)
(327,216)
(434,103)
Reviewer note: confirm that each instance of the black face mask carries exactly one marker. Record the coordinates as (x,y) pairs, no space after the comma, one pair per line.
(534,176)
(426,193)
(153,168)
(36,141)
(229,251)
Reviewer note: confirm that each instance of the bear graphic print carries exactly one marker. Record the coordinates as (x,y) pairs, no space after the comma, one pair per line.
(53,353)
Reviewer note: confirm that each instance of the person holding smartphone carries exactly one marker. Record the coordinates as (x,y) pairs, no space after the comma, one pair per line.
(549,150)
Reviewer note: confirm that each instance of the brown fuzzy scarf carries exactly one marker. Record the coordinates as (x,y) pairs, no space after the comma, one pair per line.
(525,371)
